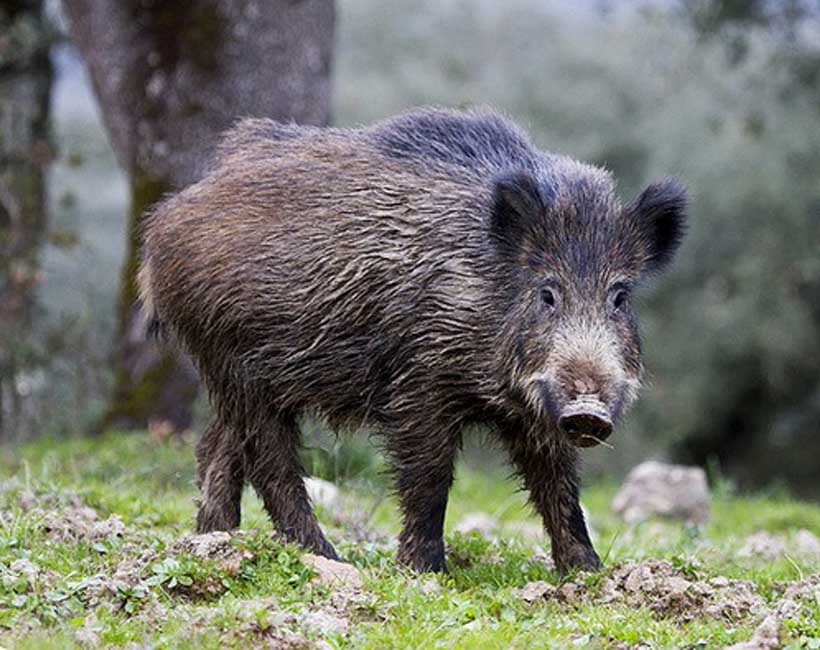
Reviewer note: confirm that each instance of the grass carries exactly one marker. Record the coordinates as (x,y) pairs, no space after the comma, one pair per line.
(70,577)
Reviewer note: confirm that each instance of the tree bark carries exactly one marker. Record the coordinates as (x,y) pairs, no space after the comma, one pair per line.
(169,78)
(25,153)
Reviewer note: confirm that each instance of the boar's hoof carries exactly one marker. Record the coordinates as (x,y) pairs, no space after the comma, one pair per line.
(581,558)
(427,559)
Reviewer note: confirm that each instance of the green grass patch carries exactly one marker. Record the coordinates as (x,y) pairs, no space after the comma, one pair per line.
(67,581)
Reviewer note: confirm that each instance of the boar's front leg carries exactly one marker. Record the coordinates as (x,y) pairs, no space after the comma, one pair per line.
(550,475)
(422,457)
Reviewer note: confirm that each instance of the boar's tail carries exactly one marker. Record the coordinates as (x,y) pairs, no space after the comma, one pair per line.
(154,326)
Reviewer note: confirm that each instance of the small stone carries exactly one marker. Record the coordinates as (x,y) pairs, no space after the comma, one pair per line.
(763,544)
(25,568)
(765,637)
(322,493)
(653,488)
(325,623)
(26,500)
(72,523)
(332,573)
(111,527)
(569,592)
(478,522)
(637,578)
(677,586)
(533,591)
(806,543)
(205,545)
(430,587)
(88,634)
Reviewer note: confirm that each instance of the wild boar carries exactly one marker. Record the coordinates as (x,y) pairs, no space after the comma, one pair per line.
(426,274)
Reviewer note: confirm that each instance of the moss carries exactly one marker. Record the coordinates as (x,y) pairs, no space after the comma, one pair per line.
(134,398)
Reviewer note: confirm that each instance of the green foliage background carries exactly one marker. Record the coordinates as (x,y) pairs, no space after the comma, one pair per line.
(732,108)
(726,100)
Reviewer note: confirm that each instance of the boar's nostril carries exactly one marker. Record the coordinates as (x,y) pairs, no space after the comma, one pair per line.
(586,430)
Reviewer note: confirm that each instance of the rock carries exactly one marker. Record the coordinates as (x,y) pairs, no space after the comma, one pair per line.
(332,573)
(25,568)
(325,623)
(534,591)
(111,527)
(654,488)
(81,522)
(26,500)
(668,591)
(571,593)
(430,587)
(427,586)
(206,545)
(764,545)
(478,522)
(217,546)
(89,634)
(806,543)
(323,493)
(766,636)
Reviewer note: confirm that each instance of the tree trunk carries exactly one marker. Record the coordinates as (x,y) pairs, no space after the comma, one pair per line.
(25,153)
(170,77)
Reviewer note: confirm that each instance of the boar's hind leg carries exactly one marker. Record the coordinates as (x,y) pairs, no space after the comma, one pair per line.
(220,476)
(551,477)
(423,465)
(276,473)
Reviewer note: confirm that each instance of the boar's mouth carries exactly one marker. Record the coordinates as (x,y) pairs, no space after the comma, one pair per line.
(586,421)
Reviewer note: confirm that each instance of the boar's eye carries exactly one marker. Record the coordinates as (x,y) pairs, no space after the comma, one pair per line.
(618,298)
(548,298)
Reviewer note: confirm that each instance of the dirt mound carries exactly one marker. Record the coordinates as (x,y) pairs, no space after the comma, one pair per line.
(660,587)
(79,522)
(767,635)
(217,546)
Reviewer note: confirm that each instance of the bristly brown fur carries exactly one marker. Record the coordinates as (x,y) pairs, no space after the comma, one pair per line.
(429,272)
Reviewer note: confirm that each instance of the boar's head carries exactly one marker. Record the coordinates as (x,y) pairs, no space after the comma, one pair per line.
(568,258)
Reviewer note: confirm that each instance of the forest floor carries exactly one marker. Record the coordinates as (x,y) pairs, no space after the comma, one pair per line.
(96,550)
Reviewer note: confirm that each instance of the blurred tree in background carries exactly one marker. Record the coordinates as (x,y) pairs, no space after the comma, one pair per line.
(25,153)
(170,77)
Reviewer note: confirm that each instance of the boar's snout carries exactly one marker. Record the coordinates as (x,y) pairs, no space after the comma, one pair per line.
(586,421)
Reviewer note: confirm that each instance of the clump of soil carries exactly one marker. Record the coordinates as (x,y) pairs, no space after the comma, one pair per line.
(217,547)
(767,634)
(658,586)
(81,523)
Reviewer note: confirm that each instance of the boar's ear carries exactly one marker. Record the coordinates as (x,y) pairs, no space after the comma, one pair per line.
(658,217)
(518,205)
